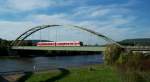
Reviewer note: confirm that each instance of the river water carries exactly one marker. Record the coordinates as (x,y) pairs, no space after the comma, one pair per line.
(45,63)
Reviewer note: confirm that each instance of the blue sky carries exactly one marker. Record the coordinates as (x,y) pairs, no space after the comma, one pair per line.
(118,19)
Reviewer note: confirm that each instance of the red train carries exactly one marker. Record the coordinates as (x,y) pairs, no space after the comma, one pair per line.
(63,43)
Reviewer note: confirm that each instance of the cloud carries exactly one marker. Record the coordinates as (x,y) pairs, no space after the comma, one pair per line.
(112,20)
(112,28)
(14,28)
(101,10)
(108,28)
(27,5)
(11,30)
(50,19)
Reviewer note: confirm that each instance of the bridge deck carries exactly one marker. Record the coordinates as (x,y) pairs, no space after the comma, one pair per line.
(75,48)
(139,48)
(61,48)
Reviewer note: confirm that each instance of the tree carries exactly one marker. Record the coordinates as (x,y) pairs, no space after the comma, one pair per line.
(112,53)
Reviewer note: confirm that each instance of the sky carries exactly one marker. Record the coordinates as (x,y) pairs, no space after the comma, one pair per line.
(117,19)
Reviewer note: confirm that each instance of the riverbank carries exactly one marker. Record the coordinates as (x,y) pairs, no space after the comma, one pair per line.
(9,57)
(91,73)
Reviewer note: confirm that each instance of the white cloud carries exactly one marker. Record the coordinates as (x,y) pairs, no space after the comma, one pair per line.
(11,30)
(14,28)
(110,20)
(51,19)
(109,27)
(27,5)
(101,10)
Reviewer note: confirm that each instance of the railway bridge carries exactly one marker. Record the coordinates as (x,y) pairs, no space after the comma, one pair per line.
(17,44)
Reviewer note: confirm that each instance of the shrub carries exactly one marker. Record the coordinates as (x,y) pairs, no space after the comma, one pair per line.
(111,54)
(132,66)
(130,61)
(135,61)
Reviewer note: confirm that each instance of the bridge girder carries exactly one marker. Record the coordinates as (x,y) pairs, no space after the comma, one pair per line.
(29,32)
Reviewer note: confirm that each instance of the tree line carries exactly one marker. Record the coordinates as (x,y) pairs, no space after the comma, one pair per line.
(4,45)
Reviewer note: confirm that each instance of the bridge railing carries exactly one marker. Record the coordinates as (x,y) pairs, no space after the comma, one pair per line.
(147,47)
(138,48)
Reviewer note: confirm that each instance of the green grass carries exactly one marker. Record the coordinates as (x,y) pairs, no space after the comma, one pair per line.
(94,73)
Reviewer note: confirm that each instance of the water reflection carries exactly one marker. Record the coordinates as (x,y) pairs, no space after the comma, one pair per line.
(43,63)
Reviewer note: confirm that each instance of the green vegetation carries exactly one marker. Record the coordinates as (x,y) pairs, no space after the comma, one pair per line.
(132,67)
(111,54)
(4,47)
(94,73)
(121,66)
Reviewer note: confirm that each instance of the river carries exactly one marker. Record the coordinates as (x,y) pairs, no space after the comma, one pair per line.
(45,63)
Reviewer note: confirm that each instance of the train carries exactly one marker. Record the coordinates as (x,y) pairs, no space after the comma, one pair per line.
(61,43)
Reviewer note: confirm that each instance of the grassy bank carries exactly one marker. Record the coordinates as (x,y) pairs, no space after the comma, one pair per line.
(94,73)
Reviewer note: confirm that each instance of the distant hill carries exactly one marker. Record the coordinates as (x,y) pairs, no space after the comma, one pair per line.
(1,39)
(35,41)
(139,41)
(3,43)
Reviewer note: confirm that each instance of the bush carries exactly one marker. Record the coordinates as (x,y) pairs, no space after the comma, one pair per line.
(131,66)
(111,54)
(132,76)
(135,61)
(114,55)
(130,61)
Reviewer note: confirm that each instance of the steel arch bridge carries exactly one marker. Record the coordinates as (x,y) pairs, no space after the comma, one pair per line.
(29,32)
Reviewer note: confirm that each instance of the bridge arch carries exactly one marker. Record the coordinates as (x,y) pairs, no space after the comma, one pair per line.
(29,32)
